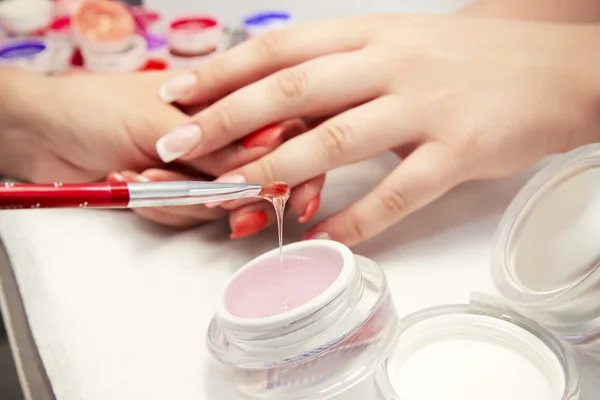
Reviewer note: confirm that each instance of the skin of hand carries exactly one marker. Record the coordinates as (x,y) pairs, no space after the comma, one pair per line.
(80,128)
(456,98)
(305,199)
(247,220)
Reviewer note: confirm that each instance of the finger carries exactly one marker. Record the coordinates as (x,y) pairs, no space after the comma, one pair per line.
(429,172)
(164,217)
(251,219)
(315,88)
(353,136)
(306,198)
(261,56)
(249,149)
(253,147)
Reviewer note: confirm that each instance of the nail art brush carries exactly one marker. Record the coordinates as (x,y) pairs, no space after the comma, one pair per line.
(14,196)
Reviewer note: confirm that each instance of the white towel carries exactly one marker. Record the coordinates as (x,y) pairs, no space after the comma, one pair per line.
(119,306)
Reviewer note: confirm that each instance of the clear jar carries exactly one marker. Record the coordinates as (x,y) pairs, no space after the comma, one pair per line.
(476,351)
(546,255)
(314,351)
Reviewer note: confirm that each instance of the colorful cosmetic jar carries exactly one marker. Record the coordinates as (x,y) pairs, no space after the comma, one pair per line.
(195,35)
(158,45)
(60,28)
(131,59)
(63,52)
(147,17)
(519,343)
(34,54)
(103,26)
(264,21)
(182,62)
(24,17)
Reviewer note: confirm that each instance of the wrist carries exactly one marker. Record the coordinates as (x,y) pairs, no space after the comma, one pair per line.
(20,124)
(573,11)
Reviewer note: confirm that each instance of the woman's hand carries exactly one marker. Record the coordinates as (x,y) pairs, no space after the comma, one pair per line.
(80,128)
(246,220)
(456,98)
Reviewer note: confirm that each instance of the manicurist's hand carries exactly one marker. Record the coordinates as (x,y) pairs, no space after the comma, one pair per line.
(80,128)
(455,98)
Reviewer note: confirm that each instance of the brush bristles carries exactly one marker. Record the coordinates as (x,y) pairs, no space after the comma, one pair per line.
(275,189)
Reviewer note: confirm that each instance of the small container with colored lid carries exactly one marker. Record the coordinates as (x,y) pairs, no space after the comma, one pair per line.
(195,35)
(264,21)
(147,18)
(25,17)
(158,45)
(103,26)
(131,59)
(60,28)
(34,54)
(303,329)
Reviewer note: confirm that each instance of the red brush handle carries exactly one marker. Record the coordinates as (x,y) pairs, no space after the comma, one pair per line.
(68,195)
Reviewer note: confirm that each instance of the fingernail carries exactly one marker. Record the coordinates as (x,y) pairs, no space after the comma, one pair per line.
(177,87)
(115,177)
(178,142)
(263,137)
(317,236)
(237,178)
(311,209)
(131,176)
(249,224)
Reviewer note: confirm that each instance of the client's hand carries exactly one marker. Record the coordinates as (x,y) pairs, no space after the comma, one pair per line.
(455,98)
(245,220)
(80,128)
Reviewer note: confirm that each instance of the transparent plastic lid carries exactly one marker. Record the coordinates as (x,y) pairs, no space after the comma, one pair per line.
(547,251)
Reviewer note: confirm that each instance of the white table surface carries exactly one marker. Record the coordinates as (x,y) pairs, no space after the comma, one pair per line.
(119,306)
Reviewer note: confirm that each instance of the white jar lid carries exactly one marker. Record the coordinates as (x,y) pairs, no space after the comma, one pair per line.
(22,17)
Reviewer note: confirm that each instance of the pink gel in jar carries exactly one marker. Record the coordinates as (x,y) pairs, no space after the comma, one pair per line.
(270,287)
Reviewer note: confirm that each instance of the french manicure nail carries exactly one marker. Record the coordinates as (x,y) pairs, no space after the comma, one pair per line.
(237,178)
(178,142)
(177,87)
(317,236)
(263,137)
(311,209)
(249,224)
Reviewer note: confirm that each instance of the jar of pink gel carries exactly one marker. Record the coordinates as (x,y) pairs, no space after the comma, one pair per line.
(308,327)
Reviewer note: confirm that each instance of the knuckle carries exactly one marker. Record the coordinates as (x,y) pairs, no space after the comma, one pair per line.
(211,72)
(394,201)
(266,169)
(225,122)
(335,139)
(291,83)
(356,229)
(272,43)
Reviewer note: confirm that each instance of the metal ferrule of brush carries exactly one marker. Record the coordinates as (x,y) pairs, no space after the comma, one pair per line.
(157,194)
